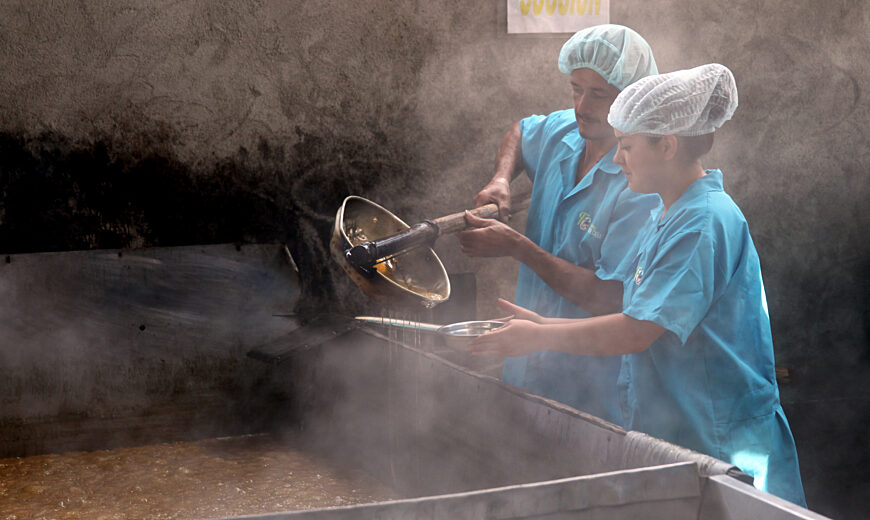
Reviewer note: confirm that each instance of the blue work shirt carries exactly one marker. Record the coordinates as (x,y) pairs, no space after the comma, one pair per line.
(592,224)
(708,383)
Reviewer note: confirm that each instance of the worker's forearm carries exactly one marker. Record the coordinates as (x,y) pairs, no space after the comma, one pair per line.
(577,284)
(509,159)
(610,335)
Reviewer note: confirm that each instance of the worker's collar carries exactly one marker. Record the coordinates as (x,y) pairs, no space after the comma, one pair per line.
(706,184)
(577,144)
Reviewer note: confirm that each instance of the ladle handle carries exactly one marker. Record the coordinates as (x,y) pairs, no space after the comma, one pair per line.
(365,255)
(405,324)
(456,222)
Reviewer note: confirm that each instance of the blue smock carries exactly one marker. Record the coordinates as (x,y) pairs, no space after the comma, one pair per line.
(592,224)
(708,383)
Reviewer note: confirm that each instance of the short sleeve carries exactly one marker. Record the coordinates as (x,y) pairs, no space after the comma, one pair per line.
(619,245)
(676,288)
(533,130)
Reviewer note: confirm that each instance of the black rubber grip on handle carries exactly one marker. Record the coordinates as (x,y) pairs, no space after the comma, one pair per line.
(364,256)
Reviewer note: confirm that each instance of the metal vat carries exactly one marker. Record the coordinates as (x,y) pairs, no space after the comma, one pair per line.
(117,348)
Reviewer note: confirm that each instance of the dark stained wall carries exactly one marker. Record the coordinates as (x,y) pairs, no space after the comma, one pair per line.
(167,123)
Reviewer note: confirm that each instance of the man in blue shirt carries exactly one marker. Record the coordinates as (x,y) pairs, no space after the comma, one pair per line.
(582,218)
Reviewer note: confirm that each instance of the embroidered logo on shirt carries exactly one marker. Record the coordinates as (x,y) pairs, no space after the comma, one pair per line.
(584,222)
(638,275)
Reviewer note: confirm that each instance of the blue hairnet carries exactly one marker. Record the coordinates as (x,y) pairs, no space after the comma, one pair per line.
(686,102)
(616,52)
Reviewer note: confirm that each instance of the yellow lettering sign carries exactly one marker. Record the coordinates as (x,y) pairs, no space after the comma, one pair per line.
(565,7)
(551,6)
(524,6)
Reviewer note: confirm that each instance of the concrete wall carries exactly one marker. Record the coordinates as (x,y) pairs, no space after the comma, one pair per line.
(164,123)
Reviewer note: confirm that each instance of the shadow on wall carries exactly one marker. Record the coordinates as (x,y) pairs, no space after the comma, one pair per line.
(57,194)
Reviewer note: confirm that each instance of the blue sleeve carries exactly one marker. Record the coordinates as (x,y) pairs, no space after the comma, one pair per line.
(533,130)
(630,213)
(676,289)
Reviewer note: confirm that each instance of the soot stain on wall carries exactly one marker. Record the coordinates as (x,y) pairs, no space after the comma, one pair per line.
(60,194)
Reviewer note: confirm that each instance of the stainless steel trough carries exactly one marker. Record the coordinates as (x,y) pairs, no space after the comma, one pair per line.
(114,348)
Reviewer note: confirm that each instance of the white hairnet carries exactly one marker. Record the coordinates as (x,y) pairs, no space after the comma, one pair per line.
(684,103)
(616,52)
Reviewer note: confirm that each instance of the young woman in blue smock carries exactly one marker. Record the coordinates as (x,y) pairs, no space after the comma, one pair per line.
(698,365)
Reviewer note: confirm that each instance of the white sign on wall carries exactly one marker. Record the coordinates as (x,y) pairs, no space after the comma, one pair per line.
(555,16)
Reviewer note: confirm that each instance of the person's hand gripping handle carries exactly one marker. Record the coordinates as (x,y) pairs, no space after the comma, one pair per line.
(497,192)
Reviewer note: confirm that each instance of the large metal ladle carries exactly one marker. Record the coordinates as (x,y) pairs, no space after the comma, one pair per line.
(391,262)
(417,277)
(366,255)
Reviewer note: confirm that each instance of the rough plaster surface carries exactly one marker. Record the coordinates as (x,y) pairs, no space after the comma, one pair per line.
(163,123)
